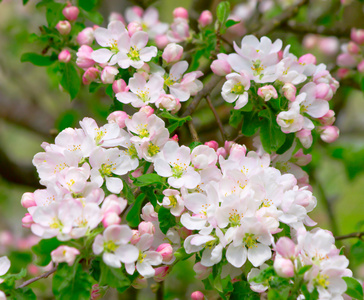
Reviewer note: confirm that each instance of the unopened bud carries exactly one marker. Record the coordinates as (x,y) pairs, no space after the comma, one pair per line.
(108,74)
(267,92)
(147,109)
(289,91)
(71,12)
(146,227)
(205,18)
(329,134)
(161,273)
(134,27)
(111,218)
(84,59)
(161,40)
(90,75)
(27,200)
(357,35)
(197,295)
(27,221)
(86,36)
(63,27)
(64,56)
(166,251)
(286,247)
(212,144)
(180,12)
(119,86)
(172,53)
(284,267)
(118,117)
(307,59)
(305,137)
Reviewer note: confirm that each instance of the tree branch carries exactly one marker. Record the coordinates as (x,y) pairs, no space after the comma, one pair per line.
(219,123)
(350,235)
(193,131)
(289,13)
(213,82)
(44,275)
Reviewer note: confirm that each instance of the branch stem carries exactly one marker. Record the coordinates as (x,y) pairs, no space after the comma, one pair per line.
(44,275)
(218,120)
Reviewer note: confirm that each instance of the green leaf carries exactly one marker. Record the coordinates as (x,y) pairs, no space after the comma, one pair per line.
(166,219)
(151,195)
(181,254)
(128,193)
(223,11)
(54,13)
(194,144)
(109,91)
(43,250)
(113,277)
(87,4)
(133,217)
(251,123)
(72,283)
(287,144)
(304,269)
(274,295)
(25,2)
(231,22)
(94,16)
(22,294)
(236,116)
(242,290)
(37,59)
(148,179)
(70,80)
(174,121)
(271,134)
(354,289)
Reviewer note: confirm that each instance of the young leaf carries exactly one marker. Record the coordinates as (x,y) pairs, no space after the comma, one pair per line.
(231,22)
(223,11)
(113,277)
(37,59)
(128,193)
(166,219)
(271,134)
(354,289)
(304,269)
(251,123)
(72,283)
(133,217)
(70,80)
(148,179)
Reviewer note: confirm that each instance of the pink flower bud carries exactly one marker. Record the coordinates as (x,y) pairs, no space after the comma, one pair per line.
(86,36)
(307,59)
(220,66)
(84,59)
(166,251)
(205,18)
(27,221)
(119,86)
(305,137)
(197,295)
(328,119)
(183,232)
(310,41)
(180,12)
(111,218)
(361,67)
(343,73)
(134,27)
(284,267)
(324,91)
(90,75)
(353,48)
(286,247)
(289,91)
(329,45)
(138,10)
(175,138)
(357,35)
(212,144)
(169,102)
(148,213)
(63,27)
(115,16)
(346,60)
(95,292)
(302,159)
(202,272)
(237,152)
(140,283)
(147,109)
(267,92)
(64,56)
(172,53)
(118,117)
(329,134)
(137,173)
(135,238)
(146,227)
(71,12)
(228,145)
(27,200)
(108,74)
(161,40)
(221,151)
(65,254)
(161,273)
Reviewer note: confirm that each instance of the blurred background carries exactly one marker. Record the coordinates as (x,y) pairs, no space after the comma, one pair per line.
(33,109)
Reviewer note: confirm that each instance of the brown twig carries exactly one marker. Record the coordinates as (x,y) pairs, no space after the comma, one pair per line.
(219,123)
(193,131)
(214,80)
(44,275)
(289,13)
(350,235)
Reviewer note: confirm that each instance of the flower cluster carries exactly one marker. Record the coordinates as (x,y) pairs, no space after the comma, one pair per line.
(352,56)
(295,89)
(316,249)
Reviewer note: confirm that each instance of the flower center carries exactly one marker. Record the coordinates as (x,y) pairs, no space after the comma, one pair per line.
(143,133)
(172,200)
(133,54)
(153,149)
(249,240)
(322,280)
(177,171)
(110,246)
(99,135)
(132,152)
(105,170)
(257,68)
(234,218)
(56,223)
(238,89)
(144,96)
(141,257)
(169,81)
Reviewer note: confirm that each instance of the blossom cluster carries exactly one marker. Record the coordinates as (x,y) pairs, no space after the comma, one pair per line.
(352,54)
(260,73)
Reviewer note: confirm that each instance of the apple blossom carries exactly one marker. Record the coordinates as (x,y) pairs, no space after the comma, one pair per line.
(86,36)
(234,89)
(64,254)
(63,27)
(84,59)
(108,74)
(172,53)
